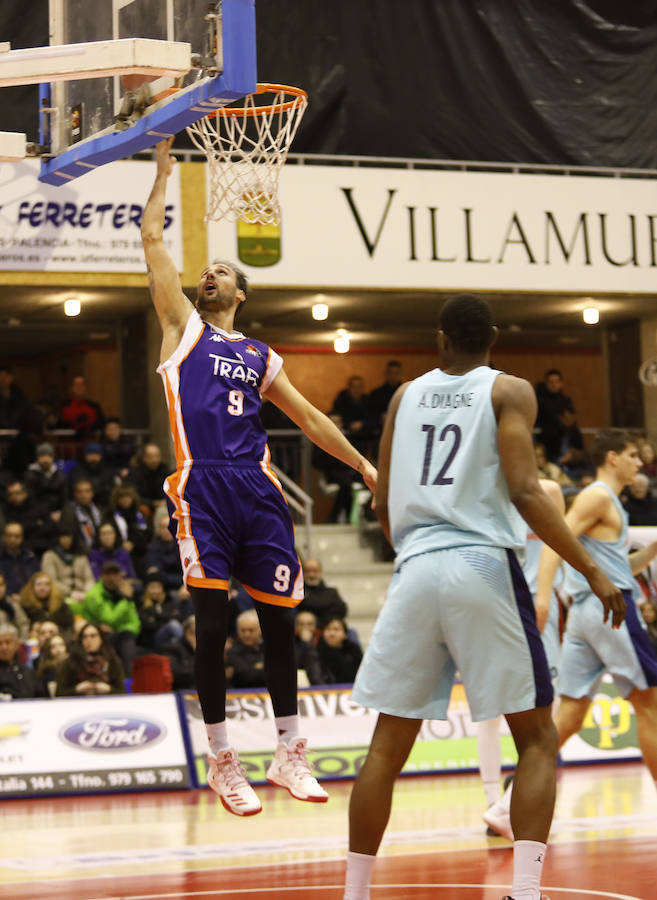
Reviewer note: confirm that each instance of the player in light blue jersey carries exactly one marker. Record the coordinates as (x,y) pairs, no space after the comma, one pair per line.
(226,504)
(598,519)
(457,471)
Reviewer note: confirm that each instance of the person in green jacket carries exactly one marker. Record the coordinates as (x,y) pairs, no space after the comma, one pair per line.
(108,606)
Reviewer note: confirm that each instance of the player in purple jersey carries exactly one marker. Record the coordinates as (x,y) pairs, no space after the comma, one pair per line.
(226,504)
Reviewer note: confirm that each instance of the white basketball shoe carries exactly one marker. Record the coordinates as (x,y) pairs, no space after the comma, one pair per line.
(290,769)
(227,779)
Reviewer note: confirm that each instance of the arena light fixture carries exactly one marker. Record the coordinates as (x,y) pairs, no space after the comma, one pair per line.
(319,311)
(72,306)
(591,315)
(341,342)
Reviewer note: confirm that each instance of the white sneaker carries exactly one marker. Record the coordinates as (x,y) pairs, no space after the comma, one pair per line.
(498,818)
(290,769)
(227,779)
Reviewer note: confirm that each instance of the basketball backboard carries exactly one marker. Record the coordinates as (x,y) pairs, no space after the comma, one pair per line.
(86,122)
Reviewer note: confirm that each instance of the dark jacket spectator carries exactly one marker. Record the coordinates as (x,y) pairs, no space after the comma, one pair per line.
(245,660)
(70,571)
(80,413)
(649,615)
(181,653)
(339,657)
(148,476)
(381,396)
(17,681)
(552,404)
(640,505)
(46,483)
(161,616)
(93,469)
(53,653)
(353,408)
(118,449)
(17,563)
(325,602)
(163,558)
(38,527)
(42,600)
(82,517)
(124,509)
(17,413)
(306,636)
(12,613)
(92,667)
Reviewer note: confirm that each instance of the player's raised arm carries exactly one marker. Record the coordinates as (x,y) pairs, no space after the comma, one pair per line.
(515,407)
(318,427)
(171,305)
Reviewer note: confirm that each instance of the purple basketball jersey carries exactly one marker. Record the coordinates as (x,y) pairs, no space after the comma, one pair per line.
(213,383)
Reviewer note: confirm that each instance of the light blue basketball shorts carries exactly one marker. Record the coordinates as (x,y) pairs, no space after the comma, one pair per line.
(591,648)
(467,609)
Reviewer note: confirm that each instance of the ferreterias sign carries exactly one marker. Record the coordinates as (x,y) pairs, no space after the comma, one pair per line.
(349,226)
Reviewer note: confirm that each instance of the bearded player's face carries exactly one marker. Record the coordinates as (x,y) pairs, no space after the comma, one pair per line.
(217,287)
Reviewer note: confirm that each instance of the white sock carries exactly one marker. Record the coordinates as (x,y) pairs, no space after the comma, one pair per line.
(490,757)
(359,875)
(217,736)
(287,727)
(528,857)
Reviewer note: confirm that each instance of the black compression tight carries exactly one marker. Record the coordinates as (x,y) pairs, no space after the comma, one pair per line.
(277,626)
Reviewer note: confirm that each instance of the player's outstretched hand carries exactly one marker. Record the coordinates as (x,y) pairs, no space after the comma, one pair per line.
(164,160)
(611,598)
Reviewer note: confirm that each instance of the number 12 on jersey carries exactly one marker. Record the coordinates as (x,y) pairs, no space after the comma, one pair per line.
(451,433)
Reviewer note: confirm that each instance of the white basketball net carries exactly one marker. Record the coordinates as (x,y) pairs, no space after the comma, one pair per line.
(246,149)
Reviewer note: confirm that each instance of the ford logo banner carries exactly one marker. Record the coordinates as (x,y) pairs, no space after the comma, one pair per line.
(112,733)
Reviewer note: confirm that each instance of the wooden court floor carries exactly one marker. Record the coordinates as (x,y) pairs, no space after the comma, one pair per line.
(184,845)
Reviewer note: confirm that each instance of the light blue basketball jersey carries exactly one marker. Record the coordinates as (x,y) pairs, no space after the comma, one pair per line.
(611,556)
(447,487)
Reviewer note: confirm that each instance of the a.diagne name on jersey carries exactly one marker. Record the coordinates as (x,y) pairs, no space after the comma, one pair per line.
(231,368)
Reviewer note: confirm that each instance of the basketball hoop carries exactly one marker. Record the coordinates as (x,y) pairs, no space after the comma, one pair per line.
(246,146)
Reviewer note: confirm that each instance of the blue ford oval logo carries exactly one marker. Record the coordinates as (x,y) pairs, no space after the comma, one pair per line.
(112,732)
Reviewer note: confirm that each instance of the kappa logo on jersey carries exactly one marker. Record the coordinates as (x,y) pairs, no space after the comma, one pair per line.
(231,368)
(216,337)
(253,350)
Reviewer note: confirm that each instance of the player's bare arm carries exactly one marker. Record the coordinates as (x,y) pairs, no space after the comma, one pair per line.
(514,403)
(385,449)
(544,599)
(172,307)
(641,558)
(318,427)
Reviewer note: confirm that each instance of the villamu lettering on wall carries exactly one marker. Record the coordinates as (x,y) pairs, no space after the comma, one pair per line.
(592,238)
(116,215)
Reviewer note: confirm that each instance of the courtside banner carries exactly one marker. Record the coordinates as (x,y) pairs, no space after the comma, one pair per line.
(339,733)
(89,225)
(402,228)
(91,745)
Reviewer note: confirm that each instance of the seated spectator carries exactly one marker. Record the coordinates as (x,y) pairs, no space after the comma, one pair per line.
(649,614)
(118,449)
(245,660)
(323,601)
(82,516)
(46,483)
(42,600)
(380,397)
(163,558)
(640,505)
(181,653)
(239,600)
(80,413)
(305,646)
(148,477)
(550,470)
(161,616)
(135,530)
(92,667)
(70,572)
(107,548)
(17,681)
(92,468)
(339,657)
(12,613)
(41,632)
(19,506)
(17,563)
(109,606)
(53,652)
(649,461)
